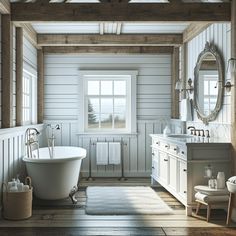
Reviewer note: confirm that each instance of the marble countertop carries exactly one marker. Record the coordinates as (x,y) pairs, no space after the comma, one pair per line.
(190,139)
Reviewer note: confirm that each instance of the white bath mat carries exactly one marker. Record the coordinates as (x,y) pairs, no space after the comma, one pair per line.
(125,201)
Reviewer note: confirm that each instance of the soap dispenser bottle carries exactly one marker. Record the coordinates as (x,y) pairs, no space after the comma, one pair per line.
(166,131)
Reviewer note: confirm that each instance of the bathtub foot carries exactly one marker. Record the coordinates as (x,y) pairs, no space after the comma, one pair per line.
(72,195)
(90,179)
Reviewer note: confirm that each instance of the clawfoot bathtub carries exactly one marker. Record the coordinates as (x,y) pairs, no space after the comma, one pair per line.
(55,178)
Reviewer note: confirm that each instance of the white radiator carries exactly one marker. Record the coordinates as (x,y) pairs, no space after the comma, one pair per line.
(102,153)
(114,153)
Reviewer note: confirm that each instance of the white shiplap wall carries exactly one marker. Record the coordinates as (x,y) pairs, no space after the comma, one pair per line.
(153,105)
(220,35)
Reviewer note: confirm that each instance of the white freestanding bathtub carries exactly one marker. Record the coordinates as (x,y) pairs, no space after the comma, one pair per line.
(54,178)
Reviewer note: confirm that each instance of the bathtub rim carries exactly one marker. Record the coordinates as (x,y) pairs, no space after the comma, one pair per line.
(56,160)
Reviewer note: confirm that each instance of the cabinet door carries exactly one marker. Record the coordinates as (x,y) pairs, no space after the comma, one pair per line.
(164,166)
(155,164)
(173,172)
(183,178)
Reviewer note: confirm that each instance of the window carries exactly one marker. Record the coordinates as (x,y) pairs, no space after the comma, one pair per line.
(108,101)
(29,98)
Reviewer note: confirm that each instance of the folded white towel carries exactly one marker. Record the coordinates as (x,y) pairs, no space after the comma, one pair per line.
(206,198)
(186,110)
(114,153)
(102,153)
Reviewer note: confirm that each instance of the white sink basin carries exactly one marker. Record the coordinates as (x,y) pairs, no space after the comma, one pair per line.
(180,136)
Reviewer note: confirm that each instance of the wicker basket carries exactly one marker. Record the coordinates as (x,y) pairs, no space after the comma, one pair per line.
(17,205)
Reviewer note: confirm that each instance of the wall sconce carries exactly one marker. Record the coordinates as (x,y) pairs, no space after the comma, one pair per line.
(231,68)
(179,86)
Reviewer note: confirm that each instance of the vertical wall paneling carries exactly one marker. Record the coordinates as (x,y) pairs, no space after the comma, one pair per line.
(19,74)
(218,34)
(7,69)
(1,72)
(175,77)
(12,149)
(40,62)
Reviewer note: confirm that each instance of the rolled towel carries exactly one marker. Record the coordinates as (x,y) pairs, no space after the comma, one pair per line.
(201,196)
(206,198)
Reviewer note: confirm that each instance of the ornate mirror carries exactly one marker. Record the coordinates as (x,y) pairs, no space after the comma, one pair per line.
(208,84)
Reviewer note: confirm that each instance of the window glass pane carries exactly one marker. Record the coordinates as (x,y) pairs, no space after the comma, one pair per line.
(106,105)
(120,87)
(106,121)
(93,121)
(93,105)
(93,87)
(119,105)
(106,88)
(119,121)
(205,87)
(213,87)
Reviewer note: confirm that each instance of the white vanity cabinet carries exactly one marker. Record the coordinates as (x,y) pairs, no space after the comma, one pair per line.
(179,164)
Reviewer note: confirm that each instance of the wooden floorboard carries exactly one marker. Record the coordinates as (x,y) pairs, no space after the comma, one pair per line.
(64,219)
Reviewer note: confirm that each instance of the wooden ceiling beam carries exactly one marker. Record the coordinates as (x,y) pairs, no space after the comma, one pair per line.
(115,50)
(5,7)
(109,40)
(115,11)
(193,30)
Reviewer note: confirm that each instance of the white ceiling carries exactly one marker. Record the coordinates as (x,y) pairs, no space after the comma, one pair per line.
(109,28)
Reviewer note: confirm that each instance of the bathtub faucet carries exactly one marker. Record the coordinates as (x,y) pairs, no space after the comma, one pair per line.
(51,138)
(31,139)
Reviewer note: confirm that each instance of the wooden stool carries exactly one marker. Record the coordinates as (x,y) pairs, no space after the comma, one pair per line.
(230,207)
(208,204)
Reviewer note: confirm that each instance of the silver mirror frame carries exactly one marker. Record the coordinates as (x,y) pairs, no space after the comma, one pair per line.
(212,116)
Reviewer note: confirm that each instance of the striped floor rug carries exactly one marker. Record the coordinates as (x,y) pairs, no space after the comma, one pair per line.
(125,201)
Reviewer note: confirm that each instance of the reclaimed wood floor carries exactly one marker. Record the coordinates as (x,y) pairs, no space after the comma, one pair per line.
(65,220)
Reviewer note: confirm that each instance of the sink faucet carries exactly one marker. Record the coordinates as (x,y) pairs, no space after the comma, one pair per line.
(193,130)
(51,140)
(31,138)
(207,133)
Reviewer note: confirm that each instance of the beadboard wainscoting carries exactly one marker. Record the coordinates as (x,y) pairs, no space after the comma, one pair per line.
(12,149)
(218,34)
(135,148)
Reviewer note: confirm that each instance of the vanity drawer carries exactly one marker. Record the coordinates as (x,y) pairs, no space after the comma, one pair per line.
(155,143)
(155,167)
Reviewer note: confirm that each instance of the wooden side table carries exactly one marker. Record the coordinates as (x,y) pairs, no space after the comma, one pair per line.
(230,208)
(210,192)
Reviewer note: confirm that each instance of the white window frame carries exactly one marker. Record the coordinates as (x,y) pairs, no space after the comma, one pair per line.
(130,99)
(32,98)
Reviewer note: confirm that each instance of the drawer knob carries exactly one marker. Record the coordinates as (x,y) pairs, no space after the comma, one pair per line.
(182,152)
(166,146)
(153,167)
(157,142)
(153,153)
(175,149)
(185,191)
(184,170)
(165,159)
